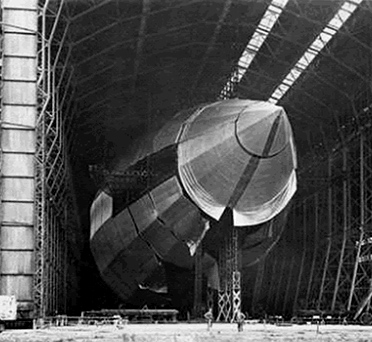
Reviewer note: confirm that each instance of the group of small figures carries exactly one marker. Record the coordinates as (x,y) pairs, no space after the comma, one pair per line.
(240,317)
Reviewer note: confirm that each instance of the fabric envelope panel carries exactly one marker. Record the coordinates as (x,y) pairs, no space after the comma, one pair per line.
(157,234)
(176,211)
(133,265)
(113,236)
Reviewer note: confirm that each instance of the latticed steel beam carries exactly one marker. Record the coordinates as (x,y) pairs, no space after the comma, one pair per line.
(304,16)
(278,289)
(198,282)
(329,239)
(140,41)
(299,283)
(272,286)
(298,88)
(216,32)
(94,7)
(123,78)
(224,295)
(345,228)
(288,290)
(362,275)
(347,271)
(124,20)
(258,285)
(314,252)
(56,211)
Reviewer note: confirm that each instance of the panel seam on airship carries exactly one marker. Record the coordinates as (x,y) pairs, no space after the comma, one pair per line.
(252,154)
(191,119)
(152,248)
(251,168)
(162,222)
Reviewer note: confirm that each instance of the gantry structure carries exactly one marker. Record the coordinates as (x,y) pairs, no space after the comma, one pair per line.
(81,77)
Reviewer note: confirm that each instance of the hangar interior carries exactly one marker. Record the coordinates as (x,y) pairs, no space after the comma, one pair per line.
(81,79)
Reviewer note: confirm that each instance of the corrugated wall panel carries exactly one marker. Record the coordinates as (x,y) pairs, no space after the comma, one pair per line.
(20,286)
(21,4)
(16,47)
(18,213)
(19,93)
(18,119)
(20,189)
(22,21)
(20,165)
(16,238)
(18,68)
(17,262)
(18,140)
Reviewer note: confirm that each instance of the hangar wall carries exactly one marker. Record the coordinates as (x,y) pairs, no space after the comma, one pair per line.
(323,261)
(40,237)
(18,131)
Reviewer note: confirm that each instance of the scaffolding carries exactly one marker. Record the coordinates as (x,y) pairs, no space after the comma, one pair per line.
(337,221)
(57,224)
(229,296)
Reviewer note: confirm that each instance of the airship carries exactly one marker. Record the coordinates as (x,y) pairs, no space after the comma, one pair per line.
(230,163)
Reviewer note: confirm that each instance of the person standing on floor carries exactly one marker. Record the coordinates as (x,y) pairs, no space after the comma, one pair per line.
(240,317)
(209,317)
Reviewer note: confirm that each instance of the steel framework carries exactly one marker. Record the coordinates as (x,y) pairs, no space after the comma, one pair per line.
(229,296)
(57,230)
(198,282)
(340,218)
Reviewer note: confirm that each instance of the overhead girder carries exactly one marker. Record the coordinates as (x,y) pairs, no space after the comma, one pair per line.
(312,72)
(305,17)
(140,41)
(112,47)
(298,87)
(95,4)
(309,71)
(128,77)
(212,42)
(127,19)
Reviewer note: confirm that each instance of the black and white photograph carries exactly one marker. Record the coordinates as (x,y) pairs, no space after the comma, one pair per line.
(185,170)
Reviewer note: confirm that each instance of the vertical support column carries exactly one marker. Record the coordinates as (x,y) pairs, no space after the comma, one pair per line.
(258,285)
(361,287)
(236,281)
(229,298)
(289,287)
(320,304)
(345,227)
(304,250)
(224,297)
(315,250)
(361,235)
(282,268)
(272,286)
(293,227)
(198,282)
(18,122)
(56,218)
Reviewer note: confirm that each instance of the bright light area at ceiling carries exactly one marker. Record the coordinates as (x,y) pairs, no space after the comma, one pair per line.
(259,36)
(318,44)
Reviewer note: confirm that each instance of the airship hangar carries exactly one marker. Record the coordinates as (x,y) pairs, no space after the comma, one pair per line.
(83,82)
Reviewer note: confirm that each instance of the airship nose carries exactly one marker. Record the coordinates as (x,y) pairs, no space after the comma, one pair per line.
(262,134)
(239,155)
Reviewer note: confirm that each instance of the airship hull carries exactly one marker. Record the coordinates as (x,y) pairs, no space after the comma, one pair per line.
(233,155)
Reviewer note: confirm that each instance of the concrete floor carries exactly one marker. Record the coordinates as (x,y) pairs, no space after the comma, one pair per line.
(191,332)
